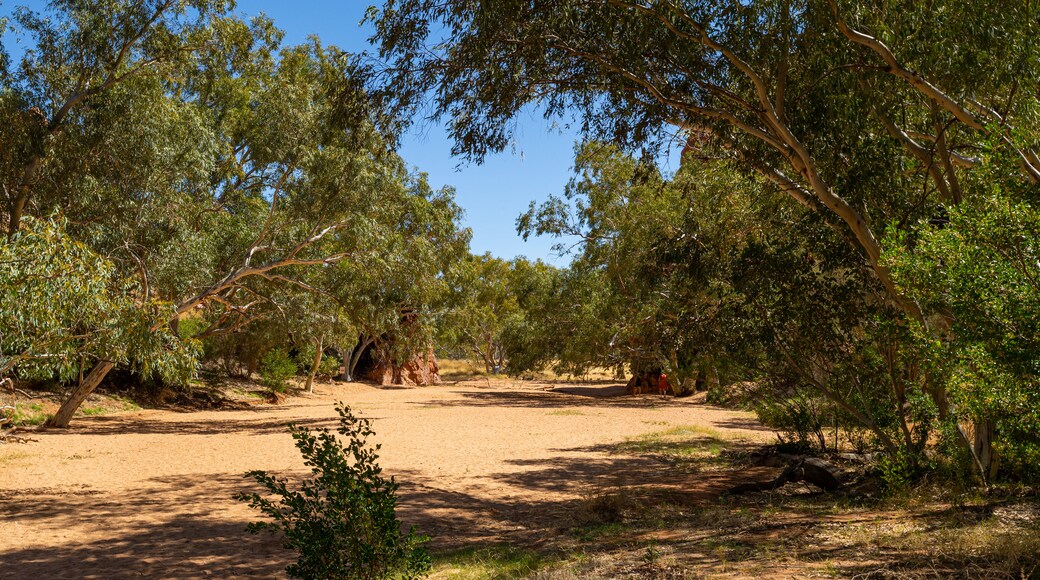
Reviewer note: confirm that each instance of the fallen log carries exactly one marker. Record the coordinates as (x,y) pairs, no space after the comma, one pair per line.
(781,480)
(821,474)
(812,470)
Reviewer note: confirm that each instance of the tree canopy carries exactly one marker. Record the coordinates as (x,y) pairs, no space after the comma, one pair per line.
(879,119)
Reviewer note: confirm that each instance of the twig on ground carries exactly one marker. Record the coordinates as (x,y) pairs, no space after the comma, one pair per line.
(10,386)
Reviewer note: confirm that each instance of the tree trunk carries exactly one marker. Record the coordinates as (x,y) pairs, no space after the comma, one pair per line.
(344,356)
(316,365)
(15,218)
(86,387)
(983,446)
(17,207)
(360,351)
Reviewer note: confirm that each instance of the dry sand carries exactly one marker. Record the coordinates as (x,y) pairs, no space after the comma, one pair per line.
(148,494)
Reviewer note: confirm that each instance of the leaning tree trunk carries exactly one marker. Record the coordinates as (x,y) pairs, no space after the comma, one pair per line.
(86,387)
(315,365)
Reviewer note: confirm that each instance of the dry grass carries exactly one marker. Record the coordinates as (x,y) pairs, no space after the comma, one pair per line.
(794,532)
(459,370)
(452,370)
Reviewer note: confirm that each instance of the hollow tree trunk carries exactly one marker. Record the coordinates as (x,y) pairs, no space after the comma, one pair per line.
(362,345)
(319,344)
(86,387)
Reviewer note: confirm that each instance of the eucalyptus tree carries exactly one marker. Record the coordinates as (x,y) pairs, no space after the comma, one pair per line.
(388,299)
(79,51)
(711,273)
(869,115)
(480,306)
(63,304)
(650,246)
(210,165)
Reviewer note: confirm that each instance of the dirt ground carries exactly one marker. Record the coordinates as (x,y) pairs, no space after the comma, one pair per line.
(149,493)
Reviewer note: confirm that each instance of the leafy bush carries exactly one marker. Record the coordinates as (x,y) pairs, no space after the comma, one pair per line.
(276,368)
(798,417)
(191,327)
(328,368)
(64,304)
(341,522)
(33,415)
(897,471)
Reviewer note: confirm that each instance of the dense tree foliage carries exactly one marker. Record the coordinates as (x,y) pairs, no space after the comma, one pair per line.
(880,119)
(490,300)
(205,176)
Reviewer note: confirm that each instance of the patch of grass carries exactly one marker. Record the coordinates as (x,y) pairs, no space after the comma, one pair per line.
(992,545)
(248,393)
(686,447)
(567,412)
(28,414)
(459,370)
(127,404)
(592,532)
(12,457)
(498,561)
(92,411)
(607,508)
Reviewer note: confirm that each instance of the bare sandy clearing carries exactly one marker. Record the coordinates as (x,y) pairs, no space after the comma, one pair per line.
(149,493)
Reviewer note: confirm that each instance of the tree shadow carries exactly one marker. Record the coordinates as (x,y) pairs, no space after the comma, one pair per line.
(597,397)
(165,528)
(744,423)
(122,424)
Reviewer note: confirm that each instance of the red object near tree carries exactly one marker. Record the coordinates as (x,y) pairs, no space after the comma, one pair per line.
(662,384)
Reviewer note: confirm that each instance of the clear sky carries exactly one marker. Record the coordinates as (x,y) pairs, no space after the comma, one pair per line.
(493,194)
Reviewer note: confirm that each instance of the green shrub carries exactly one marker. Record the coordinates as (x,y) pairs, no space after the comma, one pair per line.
(31,414)
(799,418)
(191,327)
(276,368)
(897,471)
(328,368)
(341,522)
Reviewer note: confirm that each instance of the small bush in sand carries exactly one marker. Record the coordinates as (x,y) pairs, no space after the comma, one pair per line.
(341,522)
(276,368)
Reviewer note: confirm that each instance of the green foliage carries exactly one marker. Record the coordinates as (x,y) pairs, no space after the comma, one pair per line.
(226,179)
(486,308)
(190,327)
(65,306)
(276,368)
(898,471)
(872,117)
(305,358)
(801,418)
(711,274)
(26,414)
(342,522)
(978,272)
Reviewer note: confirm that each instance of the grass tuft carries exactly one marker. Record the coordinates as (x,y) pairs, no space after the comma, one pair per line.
(486,562)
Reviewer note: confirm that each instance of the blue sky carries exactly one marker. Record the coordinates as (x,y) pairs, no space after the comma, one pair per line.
(493,194)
